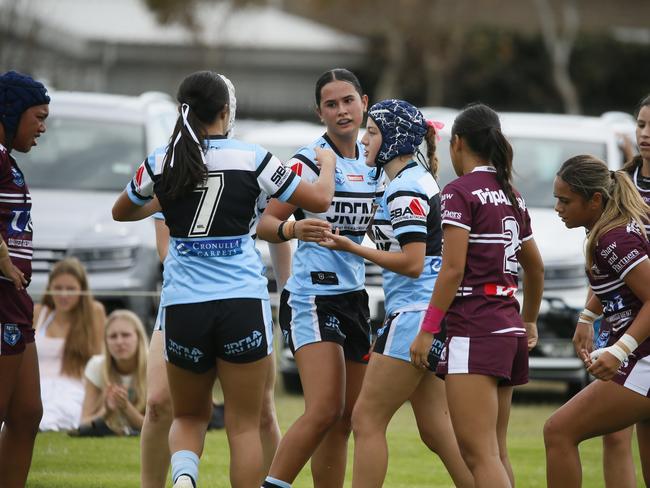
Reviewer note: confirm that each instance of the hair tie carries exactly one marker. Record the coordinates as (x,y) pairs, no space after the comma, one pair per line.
(436,126)
(185,110)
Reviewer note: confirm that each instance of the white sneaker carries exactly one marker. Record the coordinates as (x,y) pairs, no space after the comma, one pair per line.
(184,481)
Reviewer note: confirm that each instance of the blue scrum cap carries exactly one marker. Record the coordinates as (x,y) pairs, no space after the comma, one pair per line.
(18,92)
(402,128)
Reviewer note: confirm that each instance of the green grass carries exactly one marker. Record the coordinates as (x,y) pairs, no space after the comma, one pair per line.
(61,461)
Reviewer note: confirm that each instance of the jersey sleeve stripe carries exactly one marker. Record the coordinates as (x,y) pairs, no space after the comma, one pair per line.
(633,265)
(409,237)
(352,194)
(404,223)
(134,196)
(457,224)
(148,168)
(263,164)
(405,193)
(291,184)
(308,162)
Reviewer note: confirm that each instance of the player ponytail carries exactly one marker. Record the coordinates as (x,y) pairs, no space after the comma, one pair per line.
(202,97)
(480,127)
(430,139)
(587,175)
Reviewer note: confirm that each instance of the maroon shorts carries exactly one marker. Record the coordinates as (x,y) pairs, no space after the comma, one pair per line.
(16,315)
(504,357)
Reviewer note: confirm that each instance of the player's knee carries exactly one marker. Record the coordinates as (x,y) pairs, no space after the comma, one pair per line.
(159,409)
(268,420)
(554,433)
(325,417)
(25,417)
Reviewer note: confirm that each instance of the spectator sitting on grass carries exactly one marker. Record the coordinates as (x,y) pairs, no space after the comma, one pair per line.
(116,380)
(69,328)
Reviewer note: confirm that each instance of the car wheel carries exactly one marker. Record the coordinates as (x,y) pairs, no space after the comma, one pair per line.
(291,382)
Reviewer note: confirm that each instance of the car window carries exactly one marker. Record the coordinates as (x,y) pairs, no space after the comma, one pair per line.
(536,161)
(85,155)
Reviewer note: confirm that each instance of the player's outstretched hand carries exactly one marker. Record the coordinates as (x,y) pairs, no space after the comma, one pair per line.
(311,230)
(336,242)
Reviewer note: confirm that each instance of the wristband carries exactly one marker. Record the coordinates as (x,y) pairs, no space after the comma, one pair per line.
(620,350)
(432,319)
(628,342)
(587,317)
(280,233)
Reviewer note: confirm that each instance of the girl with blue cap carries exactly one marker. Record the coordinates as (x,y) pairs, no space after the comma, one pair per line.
(407,232)
(23,110)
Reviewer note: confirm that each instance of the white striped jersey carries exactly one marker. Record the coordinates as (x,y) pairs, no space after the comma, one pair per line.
(15,214)
(317,270)
(409,211)
(211,251)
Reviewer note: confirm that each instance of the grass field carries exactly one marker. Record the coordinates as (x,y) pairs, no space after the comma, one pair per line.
(62,461)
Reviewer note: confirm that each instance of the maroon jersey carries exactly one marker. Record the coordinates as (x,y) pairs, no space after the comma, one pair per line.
(617,252)
(485,303)
(15,209)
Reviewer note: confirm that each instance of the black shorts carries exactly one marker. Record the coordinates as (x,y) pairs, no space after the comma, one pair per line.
(237,330)
(343,319)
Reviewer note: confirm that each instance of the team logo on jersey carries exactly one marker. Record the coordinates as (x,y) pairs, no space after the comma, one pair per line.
(138,176)
(411,211)
(244,345)
(355,177)
(416,208)
(17,177)
(339,177)
(11,334)
(21,221)
(601,340)
(499,290)
(297,168)
(209,248)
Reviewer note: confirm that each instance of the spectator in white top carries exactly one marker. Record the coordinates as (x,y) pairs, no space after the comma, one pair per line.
(69,327)
(116,380)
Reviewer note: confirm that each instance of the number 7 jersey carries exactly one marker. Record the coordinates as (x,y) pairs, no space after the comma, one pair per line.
(212,254)
(485,301)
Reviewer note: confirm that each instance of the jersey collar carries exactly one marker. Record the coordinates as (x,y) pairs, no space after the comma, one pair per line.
(336,149)
(486,169)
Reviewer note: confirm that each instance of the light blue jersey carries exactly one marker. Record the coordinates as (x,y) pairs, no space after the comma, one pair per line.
(212,255)
(320,271)
(409,211)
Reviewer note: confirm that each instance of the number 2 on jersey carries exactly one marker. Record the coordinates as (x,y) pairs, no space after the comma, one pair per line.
(510,228)
(210,194)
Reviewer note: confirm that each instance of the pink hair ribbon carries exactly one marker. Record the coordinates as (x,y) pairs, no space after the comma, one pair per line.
(436,127)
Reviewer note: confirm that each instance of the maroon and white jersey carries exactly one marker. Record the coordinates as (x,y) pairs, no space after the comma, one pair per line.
(485,303)
(15,210)
(642,185)
(617,252)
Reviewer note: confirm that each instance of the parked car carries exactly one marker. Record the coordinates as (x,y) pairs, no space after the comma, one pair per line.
(283,139)
(92,147)
(541,143)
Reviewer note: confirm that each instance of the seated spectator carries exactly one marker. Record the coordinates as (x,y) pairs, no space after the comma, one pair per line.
(69,329)
(116,380)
